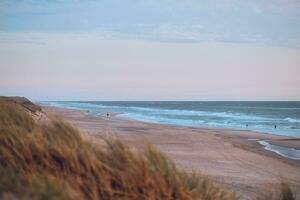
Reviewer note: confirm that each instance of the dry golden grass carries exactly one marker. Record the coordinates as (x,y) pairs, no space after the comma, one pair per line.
(24,102)
(284,192)
(52,161)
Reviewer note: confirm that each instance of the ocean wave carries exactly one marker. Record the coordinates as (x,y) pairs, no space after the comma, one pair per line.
(289,108)
(292,120)
(200,113)
(283,151)
(158,119)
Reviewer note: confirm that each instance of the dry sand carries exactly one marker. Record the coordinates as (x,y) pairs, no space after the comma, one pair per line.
(226,155)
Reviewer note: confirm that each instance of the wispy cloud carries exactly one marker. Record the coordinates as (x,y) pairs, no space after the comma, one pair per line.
(270,22)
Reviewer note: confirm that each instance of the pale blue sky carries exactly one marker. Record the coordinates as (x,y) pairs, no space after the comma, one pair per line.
(150,49)
(272,22)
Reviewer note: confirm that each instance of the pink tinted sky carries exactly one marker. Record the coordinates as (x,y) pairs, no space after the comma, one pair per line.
(65,67)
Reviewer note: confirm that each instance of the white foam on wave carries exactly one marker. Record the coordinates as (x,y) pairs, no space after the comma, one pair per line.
(292,120)
(198,113)
(158,119)
(283,151)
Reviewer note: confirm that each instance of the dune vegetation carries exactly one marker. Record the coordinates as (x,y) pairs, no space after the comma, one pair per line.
(50,160)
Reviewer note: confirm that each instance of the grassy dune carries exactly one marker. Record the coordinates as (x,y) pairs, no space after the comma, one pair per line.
(52,161)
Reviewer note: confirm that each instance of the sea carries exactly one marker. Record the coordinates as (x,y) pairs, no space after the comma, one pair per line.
(273,117)
(280,118)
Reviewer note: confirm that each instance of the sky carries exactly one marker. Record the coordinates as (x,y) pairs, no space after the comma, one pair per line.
(150,49)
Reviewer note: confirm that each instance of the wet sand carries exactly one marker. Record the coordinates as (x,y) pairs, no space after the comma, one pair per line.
(225,155)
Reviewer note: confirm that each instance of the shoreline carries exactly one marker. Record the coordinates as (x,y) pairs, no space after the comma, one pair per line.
(292,142)
(226,155)
(281,143)
(236,120)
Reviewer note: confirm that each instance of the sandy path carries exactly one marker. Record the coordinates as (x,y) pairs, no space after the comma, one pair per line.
(225,155)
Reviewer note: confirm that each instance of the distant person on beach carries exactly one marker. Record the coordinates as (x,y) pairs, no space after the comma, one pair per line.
(275,126)
(247,125)
(107,114)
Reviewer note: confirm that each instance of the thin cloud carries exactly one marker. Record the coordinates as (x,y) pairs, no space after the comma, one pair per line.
(271,22)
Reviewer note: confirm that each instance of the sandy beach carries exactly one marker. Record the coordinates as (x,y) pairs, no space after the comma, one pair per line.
(227,156)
